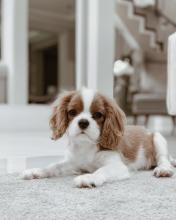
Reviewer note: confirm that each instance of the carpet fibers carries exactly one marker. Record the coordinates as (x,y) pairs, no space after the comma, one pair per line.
(141,197)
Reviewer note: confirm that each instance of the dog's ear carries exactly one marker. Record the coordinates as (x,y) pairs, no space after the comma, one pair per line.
(113,127)
(59,119)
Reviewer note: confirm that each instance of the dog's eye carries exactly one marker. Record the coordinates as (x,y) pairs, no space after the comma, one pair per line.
(97,115)
(72,112)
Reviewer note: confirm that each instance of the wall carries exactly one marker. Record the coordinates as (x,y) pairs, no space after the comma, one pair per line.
(155,80)
(3,92)
(66,70)
(3,83)
(168,8)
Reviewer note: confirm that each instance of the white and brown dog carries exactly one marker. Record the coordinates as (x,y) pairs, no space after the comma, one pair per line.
(100,143)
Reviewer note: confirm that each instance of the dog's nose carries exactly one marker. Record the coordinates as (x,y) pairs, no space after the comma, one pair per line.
(83,123)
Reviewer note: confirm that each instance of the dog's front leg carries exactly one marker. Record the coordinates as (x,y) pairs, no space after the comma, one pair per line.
(111,168)
(60,169)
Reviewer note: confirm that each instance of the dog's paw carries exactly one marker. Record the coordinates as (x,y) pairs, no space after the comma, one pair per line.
(88,181)
(35,173)
(163,171)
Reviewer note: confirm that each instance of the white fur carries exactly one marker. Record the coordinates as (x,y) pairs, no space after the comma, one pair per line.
(108,167)
(83,154)
(102,166)
(87,97)
(141,160)
(164,167)
(172,161)
(91,133)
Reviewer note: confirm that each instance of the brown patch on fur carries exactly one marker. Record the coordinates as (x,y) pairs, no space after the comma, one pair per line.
(98,106)
(134,138)
(76,104)
(130,142)
(111,124)
(59,120)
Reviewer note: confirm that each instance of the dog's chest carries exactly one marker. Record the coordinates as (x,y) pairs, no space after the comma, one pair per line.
(84,157)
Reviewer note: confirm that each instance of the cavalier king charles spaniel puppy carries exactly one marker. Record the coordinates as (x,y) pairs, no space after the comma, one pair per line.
(101,147)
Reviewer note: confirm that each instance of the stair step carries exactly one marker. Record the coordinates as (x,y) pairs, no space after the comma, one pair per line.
(136,24)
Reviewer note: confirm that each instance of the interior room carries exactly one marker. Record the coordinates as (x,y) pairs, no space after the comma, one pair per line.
(120,48)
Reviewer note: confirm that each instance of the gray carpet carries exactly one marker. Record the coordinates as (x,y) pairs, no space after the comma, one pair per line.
(141,197)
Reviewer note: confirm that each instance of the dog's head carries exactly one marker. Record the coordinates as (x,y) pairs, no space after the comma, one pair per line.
(89,117)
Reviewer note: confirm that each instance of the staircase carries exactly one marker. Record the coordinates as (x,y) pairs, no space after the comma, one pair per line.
(136,24)
(157,20)
(149,26)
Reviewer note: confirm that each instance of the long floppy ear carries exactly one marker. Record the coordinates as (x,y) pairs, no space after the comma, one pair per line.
(113,127)
(59,120)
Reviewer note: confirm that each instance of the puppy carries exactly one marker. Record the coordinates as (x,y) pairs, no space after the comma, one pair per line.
(102,148)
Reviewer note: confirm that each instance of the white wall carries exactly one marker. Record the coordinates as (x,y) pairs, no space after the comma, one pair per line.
(155,80)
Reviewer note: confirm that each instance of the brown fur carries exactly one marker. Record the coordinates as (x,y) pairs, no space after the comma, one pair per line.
(76,104)
(114,134)
(134,138)
(112,124)
(98,106)
(59,120)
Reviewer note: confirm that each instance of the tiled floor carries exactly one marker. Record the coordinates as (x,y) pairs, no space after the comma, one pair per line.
(18,150)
